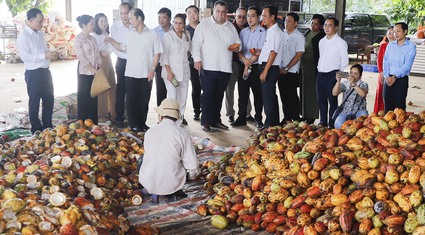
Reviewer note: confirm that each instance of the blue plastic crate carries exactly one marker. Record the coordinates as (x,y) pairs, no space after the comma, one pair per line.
(370,68)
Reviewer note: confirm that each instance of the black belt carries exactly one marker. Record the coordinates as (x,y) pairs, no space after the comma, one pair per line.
(400,77)
(38,70)
(263,65)
(324,74)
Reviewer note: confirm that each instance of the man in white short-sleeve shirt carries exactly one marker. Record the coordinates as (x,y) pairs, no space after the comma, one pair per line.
(293,49)
(269,61)
(142,59)
(213,59)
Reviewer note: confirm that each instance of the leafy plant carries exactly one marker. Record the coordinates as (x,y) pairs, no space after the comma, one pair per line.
(18,6)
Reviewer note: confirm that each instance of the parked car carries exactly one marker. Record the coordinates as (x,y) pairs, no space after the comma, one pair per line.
(360,29)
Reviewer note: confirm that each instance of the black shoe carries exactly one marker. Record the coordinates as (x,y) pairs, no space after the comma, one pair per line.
(136,129)
(309,121)
(119,124)
(220,126)
(206,127)
(231,119)
(177,195)
(145,128)
(250,119)
(184,122)
(259,124)
(239,122)
(196,117)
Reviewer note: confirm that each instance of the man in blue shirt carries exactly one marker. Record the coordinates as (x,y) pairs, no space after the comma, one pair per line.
(398,60)
(253,38)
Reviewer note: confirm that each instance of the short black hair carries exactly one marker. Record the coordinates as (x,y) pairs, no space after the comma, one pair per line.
(320,17)
(293,15)
(256,9)
(242,8)
(221,3)
(358,67)
(403,25)
(137,12)
(84,20)
(272,10)
(166,11)
(192,6)
(181,15)
(127,4)
(32,13)
(97,17)
(336,21)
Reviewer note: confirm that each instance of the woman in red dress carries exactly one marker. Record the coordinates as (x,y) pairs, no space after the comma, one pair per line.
(379,100)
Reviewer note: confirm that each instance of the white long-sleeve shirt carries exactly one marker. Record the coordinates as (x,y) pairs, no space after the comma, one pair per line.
(333,54)
(175,55)
(118,33)
(169,154)
(210,43)
(32,48)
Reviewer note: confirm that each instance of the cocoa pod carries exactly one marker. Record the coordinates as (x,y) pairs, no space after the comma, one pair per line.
(394,220)
(365,226)
(346,220)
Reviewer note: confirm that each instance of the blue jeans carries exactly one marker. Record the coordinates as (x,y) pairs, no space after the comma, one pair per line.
(343,117)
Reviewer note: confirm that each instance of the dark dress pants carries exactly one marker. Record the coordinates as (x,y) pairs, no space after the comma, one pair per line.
(268,90)
(214,84)
(325,84)
(137,101)
(288,85)
(120,99)
(40,87)
(87,106)
(196,89)
(395,95)
(254,83)
(161,90)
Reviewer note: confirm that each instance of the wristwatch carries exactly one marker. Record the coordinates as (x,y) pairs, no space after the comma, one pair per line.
(286,68)
(153,68)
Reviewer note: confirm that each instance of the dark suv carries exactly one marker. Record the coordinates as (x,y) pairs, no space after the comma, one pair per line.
(360,29)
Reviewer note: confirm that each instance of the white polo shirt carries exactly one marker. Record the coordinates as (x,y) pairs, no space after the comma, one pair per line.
(210,43)
(292,43)
(118,32)
(333,54)
(140,48)
(273,43)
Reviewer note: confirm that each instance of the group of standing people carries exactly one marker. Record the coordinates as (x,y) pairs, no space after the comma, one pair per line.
(213,55)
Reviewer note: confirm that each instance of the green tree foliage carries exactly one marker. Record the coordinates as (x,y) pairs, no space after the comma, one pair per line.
(18,6)
(409,11)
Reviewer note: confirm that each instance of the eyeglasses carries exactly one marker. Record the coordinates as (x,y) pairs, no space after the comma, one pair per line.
(240,17)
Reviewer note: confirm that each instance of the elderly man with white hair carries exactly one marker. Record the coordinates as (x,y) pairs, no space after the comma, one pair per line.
(169,155)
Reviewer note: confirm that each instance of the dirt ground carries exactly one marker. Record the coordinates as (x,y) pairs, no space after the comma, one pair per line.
(13,95)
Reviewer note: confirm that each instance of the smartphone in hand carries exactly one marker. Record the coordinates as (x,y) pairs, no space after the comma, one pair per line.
(175,82)
(343,74)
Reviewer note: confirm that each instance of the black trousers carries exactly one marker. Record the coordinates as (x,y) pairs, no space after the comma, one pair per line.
(120,99)
(196,89)
(254,83)
(268,90)
(288,85)
(161,90)
(214,84)
(395,95)
(87,106)
(40,87)
(325,83)
(137,100)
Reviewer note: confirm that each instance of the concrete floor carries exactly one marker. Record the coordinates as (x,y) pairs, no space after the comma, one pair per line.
(13,96)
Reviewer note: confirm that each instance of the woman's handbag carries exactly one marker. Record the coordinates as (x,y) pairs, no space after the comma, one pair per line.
(341,107)
(100,84)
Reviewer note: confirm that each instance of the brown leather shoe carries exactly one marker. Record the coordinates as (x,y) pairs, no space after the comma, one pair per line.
(220,125)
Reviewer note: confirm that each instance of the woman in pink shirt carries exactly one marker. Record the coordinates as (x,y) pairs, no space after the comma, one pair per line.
(89,62)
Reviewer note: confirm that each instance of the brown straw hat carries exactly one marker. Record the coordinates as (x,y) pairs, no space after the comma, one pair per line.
(169,108)
(100,83)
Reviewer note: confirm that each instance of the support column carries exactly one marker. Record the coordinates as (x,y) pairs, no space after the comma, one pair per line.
(68,10)
(340,15)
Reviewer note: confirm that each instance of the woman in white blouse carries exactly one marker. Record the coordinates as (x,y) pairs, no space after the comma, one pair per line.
(106,101)
(89,62)
(176,71)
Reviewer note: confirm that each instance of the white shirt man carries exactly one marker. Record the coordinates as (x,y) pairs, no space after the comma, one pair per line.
(333,52)
(213,58)
(169,154)
(293,48)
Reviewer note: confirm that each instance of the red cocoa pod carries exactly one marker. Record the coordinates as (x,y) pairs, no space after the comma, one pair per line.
(346,220)
(269,216)
(298,201)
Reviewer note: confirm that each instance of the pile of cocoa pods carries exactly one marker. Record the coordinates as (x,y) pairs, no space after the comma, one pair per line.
(368,177)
